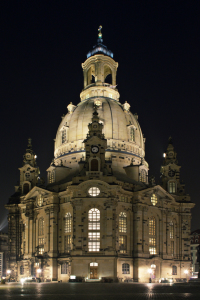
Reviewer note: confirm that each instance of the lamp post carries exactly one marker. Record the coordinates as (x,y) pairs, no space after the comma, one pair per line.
(150,272)
(186,272)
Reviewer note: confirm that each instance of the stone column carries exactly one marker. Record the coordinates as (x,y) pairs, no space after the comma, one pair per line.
(138,229)
(47,230)
(53,231)
(145,231)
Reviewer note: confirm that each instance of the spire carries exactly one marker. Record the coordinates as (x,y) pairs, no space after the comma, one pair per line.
(100,48)
(29,146)
(29,156)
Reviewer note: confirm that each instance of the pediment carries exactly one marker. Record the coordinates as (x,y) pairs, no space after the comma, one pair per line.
(34,192)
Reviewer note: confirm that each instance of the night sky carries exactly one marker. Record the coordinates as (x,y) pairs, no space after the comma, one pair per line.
(156,44)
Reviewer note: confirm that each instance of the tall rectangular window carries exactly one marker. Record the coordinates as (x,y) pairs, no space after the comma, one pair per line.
(122,244)
(68,222)
(172,187)
(152,236)
(122,222)
(94,230)
(64,268)
(67,245)
(94,241)
(171,230)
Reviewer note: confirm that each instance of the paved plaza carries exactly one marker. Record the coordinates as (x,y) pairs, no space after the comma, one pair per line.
(97,291)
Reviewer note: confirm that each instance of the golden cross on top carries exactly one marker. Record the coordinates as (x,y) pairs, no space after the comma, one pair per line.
(99,30)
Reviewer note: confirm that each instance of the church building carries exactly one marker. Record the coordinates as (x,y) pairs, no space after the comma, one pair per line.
(99,216)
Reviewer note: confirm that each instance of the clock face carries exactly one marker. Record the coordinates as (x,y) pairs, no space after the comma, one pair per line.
(171,154)
(171,173)
(95,149)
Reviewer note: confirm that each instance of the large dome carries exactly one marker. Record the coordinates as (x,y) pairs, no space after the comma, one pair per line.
(125,142)
(117,123)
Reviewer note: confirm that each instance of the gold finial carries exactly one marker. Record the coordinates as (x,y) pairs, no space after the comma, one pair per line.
(99,30)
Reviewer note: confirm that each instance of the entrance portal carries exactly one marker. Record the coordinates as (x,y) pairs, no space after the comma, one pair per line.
(93,270)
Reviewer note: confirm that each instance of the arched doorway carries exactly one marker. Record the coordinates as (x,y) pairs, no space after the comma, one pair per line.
(93,270)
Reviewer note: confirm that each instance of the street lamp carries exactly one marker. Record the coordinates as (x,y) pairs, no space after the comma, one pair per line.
(39,272)
(150,272)
(186,272)
(8,273)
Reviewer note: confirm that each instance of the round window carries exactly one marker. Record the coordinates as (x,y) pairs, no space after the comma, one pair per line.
(94,191)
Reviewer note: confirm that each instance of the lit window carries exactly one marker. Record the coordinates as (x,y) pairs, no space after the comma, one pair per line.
(171,230)
(41,246)
(98,103)
(64,268)
(132,135)
(154,199)
(152,236)
(68,225)
(93,264)
(51,177)
(122,222)
(94,230)
(122,198)
(174,270)
(40,200)
(122,244)
(94,191)
(172,187)
(41,226)
(143,175)
(94,219)
(125,269)
(64,136)
(67,245)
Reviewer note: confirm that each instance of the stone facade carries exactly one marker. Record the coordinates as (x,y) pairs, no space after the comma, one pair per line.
(99,215)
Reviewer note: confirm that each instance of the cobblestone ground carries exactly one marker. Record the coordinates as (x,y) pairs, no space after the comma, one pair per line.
(99,291)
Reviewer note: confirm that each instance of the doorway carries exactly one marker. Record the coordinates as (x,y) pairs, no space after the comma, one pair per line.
(93,270)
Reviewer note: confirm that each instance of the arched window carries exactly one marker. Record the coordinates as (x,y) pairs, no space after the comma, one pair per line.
(25,188)
(174,270)
(94,165)
(143,175)
(122,222)
(132,134)
(94,230)
(68,223)
(122,229)
(172,187)
(41,226)
(125,269)
(154,199)
(152,236)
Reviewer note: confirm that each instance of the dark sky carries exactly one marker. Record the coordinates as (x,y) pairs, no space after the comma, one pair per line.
(42,46)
